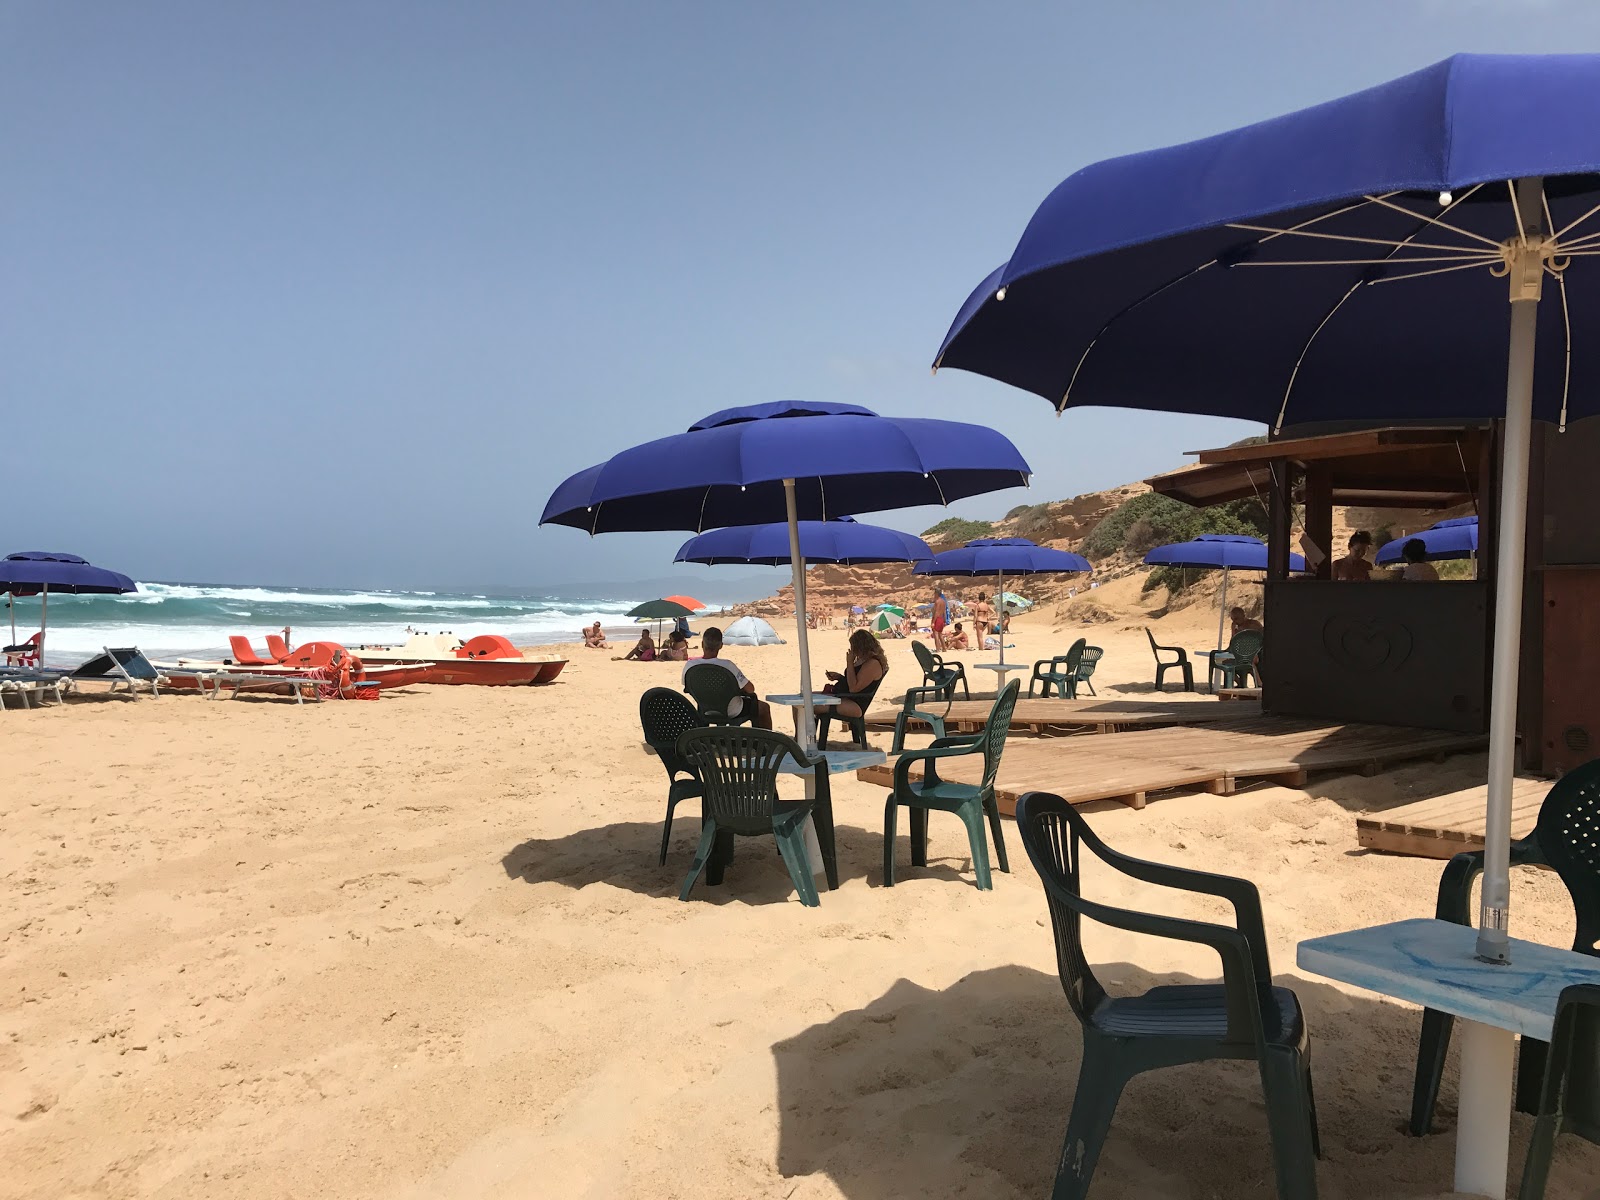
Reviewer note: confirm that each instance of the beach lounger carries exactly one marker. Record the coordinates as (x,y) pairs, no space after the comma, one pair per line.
(121,666)
(244,654)
(1244,1017)
(214,681)
(27,685)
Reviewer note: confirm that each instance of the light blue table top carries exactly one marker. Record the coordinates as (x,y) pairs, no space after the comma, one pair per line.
(818,699)
(1432,963)
(839,761)
(1005,668)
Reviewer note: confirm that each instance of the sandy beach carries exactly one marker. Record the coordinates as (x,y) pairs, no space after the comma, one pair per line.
(421,948)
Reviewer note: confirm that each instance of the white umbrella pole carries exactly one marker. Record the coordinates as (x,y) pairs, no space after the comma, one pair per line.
(1222,613)
(44,612)
(1000,619)
(808,730)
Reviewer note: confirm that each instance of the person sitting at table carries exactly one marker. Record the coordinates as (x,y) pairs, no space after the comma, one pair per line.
(711,652)
(1417,568)
(956,639)
(865,664)
(643,651)
(1354,565)
(1242,620)
(595,638)
(674,649)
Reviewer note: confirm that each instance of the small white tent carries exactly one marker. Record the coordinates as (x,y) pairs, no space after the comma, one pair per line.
(751,631)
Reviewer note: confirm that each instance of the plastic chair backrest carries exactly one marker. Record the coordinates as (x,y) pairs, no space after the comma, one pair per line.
(1245,645)
(1568,833)
(666,716)
(1088,660)
(925,660)
(995,730)
(277,648)
(712,688)
(1155,648)
(1074,654)
(738,768)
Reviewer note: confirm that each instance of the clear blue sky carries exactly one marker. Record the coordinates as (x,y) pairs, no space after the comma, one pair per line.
(334,293)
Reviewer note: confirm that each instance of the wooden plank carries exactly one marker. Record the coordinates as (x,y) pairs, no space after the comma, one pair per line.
(1444,826)
(1039,714)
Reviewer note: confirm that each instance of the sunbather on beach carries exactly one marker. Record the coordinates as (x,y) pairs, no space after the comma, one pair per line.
(595,638)
(643,651)
(956,639)
(711,652)
(674,649)
(864,664)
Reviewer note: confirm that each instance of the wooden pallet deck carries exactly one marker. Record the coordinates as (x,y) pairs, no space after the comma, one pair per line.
(1041,715)
(1444,826)
(1217,759)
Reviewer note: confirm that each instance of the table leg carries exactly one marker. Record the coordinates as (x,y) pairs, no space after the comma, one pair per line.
(1483,1128)
(818,789)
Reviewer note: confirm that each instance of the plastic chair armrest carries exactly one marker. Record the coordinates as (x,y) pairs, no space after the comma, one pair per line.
(902,766)
(1454,901)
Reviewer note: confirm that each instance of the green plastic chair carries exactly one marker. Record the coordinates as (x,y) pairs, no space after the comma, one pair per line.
(940,673)
(1243,1017)
(713,688)
(1238,662)
(1087,662)
(1561,840)
(738,768)
(666,716)
(971,802)
(911,706)
(1060,672)
(1576,1033)
(1181,664)
(857,725)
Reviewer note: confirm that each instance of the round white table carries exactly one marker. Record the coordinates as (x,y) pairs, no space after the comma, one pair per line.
(1001,670)
(797,701)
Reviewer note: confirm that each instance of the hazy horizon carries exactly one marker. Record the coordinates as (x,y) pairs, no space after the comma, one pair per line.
(337,294)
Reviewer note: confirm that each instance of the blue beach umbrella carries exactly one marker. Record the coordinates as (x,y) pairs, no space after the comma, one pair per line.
(1359,259)
(1001,557)
(786,462)
(1443,540)
(1229,551)
(842,540)
(39,572)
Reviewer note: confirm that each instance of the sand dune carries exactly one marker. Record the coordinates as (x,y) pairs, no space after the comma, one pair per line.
(421,948)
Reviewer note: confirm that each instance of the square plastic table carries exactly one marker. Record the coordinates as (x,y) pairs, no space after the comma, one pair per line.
(797,701)
(1001,670)
(1433,963)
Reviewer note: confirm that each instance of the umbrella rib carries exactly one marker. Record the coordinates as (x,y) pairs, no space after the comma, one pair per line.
(1566,320)
(1466,233)
(1347,237)
(1570,225)
(1472,257)
(1467,266)
(1304,350)
(1066,395)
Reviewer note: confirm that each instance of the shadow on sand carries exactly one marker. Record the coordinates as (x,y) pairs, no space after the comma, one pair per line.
(966,1091)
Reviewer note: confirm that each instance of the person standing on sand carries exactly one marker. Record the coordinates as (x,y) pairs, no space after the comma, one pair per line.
(941,617)
(982,616)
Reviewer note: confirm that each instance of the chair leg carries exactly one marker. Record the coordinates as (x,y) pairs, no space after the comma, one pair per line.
(919,837)
(702,855)
(1188,677)
(1289,1117)
(666,833)
(1532,1056)
(792,846)
(992,807)
(823,721)
(978,840)
(1432,1047)
(1100,1083)
(890,814)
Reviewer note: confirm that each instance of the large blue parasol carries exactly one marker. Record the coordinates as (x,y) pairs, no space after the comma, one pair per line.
(781,462)
(842,540)
(1352,260)
(1001,557)
(1442,540)
(1228,551)
(1361,259)
(40,572)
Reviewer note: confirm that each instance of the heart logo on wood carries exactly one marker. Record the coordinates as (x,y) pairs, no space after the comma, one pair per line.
(1367,645)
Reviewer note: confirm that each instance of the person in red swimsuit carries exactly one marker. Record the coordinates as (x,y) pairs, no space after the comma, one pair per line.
(941,618)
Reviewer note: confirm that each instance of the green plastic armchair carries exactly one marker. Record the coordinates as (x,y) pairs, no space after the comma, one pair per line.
(1060,672)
